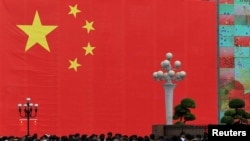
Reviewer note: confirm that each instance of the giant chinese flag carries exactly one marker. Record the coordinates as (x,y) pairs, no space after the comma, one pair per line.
(89,63)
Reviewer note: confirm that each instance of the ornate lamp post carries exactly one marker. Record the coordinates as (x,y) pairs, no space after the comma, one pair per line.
(169,76)
(30,111)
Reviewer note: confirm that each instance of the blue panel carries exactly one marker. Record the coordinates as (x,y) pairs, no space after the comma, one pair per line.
(226,30)
(241,52)
(242,30)
(242,63)
(226,41)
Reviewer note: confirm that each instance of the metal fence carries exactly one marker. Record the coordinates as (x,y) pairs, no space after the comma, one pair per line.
(175,130)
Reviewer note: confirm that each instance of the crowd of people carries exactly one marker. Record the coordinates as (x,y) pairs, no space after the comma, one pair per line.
(106,137)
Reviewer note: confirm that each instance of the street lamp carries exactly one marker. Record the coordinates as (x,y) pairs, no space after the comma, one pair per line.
(169,75)
(30,111)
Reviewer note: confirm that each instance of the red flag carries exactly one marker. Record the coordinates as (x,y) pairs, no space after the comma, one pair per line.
(89,64)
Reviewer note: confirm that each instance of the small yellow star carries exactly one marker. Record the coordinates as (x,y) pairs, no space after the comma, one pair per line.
(89,26)
(37,33)
(89,49)
(74,64)
(74,10)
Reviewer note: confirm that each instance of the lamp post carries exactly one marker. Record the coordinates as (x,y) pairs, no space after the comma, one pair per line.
(169,75)
(30,111)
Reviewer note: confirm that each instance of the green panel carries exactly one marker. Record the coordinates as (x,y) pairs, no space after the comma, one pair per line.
(241,20)
(244,2)
(226,9)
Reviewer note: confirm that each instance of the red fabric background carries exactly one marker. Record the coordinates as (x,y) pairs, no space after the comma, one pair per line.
(114,89)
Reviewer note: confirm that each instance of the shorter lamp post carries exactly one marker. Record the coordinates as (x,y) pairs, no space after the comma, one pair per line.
(169,76)
(30,111)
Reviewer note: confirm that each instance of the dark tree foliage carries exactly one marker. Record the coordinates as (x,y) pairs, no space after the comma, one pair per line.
(236,114)
(182,111)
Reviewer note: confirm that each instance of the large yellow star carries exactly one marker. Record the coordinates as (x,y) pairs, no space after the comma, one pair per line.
(74,10)
(74,64)
(89,49)
(89,26)
(37,33)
